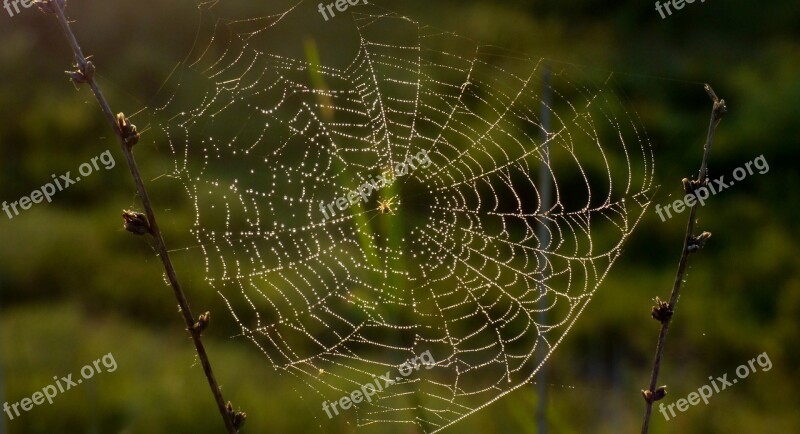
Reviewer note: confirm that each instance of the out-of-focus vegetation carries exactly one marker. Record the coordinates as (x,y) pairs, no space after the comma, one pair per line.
(74,285)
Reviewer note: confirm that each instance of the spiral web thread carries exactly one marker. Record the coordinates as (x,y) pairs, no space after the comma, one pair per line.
(455,268)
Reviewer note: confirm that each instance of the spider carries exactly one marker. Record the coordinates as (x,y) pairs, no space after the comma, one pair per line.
(385,206)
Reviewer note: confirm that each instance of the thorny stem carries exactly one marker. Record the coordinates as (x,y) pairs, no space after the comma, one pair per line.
(86,69)
(663,311)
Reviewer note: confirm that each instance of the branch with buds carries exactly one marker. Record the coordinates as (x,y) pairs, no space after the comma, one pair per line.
(144,223)
(663,311)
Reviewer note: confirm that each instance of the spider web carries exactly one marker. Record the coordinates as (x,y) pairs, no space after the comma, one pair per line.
(451,264)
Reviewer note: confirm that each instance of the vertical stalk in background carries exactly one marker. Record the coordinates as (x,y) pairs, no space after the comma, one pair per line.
(545,192)
(663,311)
(144,223)
(328,116)
(390,233)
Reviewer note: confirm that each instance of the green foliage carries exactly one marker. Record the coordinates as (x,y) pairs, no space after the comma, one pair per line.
(75,286)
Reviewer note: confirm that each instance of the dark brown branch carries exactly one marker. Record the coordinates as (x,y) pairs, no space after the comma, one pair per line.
(135,222)
(662,311)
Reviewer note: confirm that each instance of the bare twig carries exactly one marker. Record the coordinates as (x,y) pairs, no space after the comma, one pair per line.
(145,223)
(663,311)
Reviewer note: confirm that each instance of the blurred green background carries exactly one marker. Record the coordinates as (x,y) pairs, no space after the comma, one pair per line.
(75,286)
